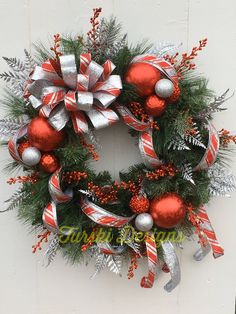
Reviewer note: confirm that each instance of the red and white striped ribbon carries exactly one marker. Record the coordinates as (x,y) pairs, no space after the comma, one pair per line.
(131,120)
(209,232)
(161,64)
(50,217)
(55,190)
(13,146)
(147,151)
(101,117)
(148,281)
(102,216)
(212,150)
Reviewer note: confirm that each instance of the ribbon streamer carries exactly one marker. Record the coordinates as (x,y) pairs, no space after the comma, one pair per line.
(91,91)
(212,150)
(102,216)
(172,262)
(148,281)
(202,251)
(147,151)
(161,64)
(209,232)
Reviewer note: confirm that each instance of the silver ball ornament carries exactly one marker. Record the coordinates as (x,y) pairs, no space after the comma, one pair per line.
(31,156)
(144,222)
(164,88)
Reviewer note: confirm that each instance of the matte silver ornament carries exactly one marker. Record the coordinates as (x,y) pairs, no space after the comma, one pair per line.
(144,222)
(164,88)
(31,156)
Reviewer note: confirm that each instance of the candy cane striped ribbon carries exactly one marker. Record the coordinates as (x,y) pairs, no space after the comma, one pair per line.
(148,281)
(50,217)
(212,150)
(58,196)
(12,144)
(131,120)
(55,190)
(102,216)
(147,151)
(172,263)
(161,64)
(209,232)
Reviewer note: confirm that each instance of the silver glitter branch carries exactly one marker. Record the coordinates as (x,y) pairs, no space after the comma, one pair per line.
(178,143)
(214,106)
(164,48)
(222,181)
(52,249)
(8,128)
(14,201)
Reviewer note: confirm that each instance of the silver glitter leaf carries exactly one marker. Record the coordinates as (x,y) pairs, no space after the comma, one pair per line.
(163,48)
(114,263)
(187,172)
(178,143)
(222,181)
(100,264)
(128,240)
(8,128)
(52,249)
(214,106)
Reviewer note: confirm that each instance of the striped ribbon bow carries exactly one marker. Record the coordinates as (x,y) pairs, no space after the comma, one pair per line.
(60,92)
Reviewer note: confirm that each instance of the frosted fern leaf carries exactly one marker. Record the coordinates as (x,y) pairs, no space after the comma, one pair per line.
(52,249)
(8,128)
(114,263)
(187,172)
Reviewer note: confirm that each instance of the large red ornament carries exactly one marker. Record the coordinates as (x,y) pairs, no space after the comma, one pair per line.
(139,204)
(167,210)
(144,77)
(155,106)
(49,163)
(22,146)
(43,136)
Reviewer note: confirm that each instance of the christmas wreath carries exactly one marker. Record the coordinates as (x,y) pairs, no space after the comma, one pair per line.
(57,100)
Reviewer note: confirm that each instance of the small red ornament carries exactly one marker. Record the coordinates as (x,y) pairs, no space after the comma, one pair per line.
(144,77)
(175,96)
(43,136)
(167,210)
(49,163)
(22,146)
(155,106)
(139,204)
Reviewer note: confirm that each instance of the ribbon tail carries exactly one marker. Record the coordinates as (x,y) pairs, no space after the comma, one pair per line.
(172,262)
(148,281)
(59,117)
(79,121)
(12,144)
(210,233)
(107,248)
(202,251)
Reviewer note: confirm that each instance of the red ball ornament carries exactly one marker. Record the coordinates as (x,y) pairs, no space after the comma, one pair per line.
(22,146)
(139,204)
(43,136)
(49,163)
(175,96)
(144,77)
(155,106)
(167,210)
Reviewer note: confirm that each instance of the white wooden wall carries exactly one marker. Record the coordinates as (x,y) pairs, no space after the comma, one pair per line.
(207,287)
